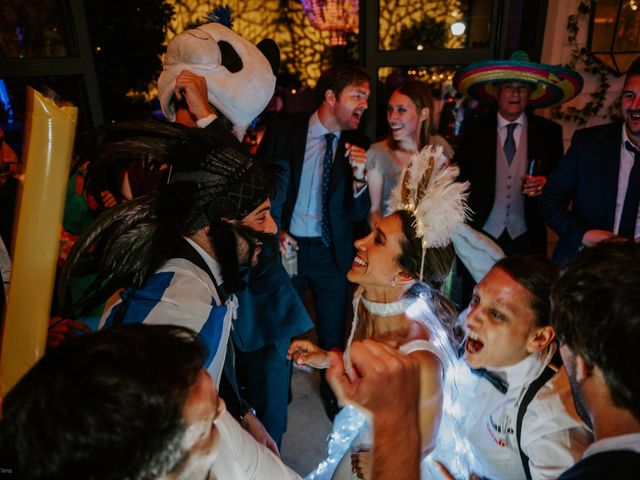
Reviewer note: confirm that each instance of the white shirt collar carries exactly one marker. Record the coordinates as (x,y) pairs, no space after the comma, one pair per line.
(317,129)
(503,122)
(525,370)
(211,262)
(630,441)
(625,138)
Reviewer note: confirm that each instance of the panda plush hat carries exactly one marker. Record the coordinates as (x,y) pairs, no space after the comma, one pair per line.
(240,75)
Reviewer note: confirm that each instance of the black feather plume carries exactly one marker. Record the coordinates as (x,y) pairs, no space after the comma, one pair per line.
(143,144)
(122,239)
(211,178)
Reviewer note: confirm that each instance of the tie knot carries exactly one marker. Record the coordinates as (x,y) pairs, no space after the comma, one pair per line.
(629,146)
(329,137)
(511,127)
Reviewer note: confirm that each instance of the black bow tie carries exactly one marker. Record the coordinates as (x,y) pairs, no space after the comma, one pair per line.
(501,385)
(493,379)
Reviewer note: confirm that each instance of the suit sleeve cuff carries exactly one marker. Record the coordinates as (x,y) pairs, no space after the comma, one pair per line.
(204,122)
(357,191)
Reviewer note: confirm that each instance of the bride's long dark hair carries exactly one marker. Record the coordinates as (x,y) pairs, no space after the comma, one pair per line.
(438,263)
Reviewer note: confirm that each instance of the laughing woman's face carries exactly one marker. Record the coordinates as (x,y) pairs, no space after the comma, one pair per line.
(375,265)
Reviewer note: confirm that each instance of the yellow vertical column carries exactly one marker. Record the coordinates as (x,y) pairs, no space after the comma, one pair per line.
(48,146)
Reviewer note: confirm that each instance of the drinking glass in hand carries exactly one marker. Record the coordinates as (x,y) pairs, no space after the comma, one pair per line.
(532,171)
(290,262)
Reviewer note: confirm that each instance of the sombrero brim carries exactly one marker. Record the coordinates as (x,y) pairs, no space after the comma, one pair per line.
(552,85)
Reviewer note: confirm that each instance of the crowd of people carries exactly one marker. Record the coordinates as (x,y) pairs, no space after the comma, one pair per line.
(529,374)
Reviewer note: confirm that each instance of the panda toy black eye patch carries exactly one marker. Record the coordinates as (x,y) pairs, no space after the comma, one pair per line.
(230,58)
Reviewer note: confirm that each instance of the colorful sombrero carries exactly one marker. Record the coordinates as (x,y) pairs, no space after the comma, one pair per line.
(551,85)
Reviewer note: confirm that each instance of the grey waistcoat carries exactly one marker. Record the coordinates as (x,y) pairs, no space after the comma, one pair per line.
(508,205)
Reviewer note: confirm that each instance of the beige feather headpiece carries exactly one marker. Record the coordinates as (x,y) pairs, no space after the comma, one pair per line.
(429,191)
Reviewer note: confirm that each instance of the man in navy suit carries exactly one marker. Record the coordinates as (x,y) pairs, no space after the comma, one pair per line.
(600,178)
(596,316)
(327,195)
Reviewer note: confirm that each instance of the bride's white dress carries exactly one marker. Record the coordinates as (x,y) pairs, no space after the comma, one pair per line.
(352,428)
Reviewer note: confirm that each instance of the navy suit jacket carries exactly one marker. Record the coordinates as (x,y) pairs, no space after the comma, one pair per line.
(476,156)
(616,464)
(586,178)
(286,138)
(269,310)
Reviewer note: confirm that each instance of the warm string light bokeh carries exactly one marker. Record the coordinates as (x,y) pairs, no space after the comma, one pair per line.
(305,31)
(396,16)
(302,46)
(334,16)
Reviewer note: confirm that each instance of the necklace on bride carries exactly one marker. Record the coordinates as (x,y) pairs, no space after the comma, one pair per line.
(379,309)
(388,309)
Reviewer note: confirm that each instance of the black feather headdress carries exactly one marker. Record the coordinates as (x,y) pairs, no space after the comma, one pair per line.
(106,167)
(212,179)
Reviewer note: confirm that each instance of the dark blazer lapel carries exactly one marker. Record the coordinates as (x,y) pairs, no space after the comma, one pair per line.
(489,137)
(338,169)
(298,144)
(341,169)
(610,168)
(534,147)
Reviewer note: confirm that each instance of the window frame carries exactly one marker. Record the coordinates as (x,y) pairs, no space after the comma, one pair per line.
(78,63)
(372,58)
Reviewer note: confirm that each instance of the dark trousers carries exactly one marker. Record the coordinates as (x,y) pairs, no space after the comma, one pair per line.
(330,290)
(264,376)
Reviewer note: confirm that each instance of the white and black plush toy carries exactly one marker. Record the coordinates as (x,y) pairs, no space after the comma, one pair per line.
(240,75)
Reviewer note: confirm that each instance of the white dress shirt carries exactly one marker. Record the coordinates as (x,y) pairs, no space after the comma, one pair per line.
(181,293)
(240,457)
(306,219)
(630,441)
(552,436)
(517,132)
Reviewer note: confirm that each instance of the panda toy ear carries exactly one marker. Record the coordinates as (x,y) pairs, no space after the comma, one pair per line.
(270,50)
(230,58)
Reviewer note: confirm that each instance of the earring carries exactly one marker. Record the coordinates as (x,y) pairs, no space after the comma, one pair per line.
(394,282)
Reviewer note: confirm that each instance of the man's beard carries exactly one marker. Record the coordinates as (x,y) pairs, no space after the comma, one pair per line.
(245,250)
(234,245)
(247,241)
